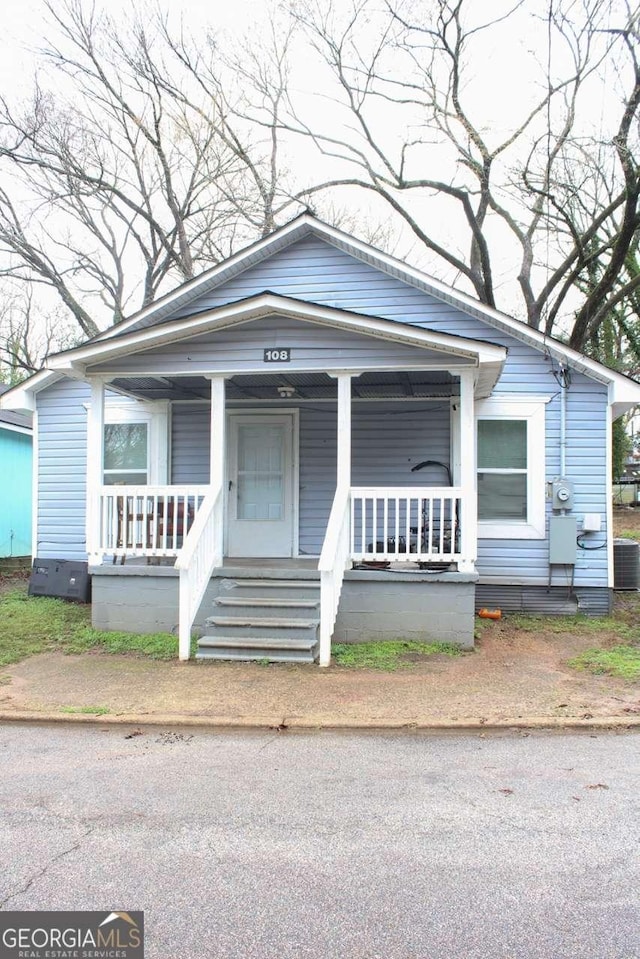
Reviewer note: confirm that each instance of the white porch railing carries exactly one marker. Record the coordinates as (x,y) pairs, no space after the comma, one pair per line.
(202,552)
(334,559)
(399,524)
(144,520)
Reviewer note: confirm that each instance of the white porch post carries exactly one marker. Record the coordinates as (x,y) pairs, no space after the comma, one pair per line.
(95,469)
(217,438)
(337,534)
(467,457)
(344,429)
(218,450)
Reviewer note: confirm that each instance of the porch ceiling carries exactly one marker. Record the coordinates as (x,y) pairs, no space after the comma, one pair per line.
(307,386)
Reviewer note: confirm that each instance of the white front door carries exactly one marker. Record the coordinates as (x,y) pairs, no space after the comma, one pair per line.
(262,485)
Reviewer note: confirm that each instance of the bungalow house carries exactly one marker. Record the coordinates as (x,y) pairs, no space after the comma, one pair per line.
(314,442)
(15,482)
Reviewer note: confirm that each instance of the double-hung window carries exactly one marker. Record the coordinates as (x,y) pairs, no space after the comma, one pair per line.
(135,443)
(126,453)
(511,468)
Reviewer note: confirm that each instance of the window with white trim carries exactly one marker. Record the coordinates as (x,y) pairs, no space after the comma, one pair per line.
(126,453)
(511,468)
(135,443)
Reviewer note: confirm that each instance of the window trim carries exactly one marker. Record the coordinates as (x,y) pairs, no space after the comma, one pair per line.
(131,472)
(533,411)
(156,417)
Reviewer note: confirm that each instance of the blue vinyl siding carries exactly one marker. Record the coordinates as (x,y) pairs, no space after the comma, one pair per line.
(526,561)
(62,468)
(16,459)
(315,271)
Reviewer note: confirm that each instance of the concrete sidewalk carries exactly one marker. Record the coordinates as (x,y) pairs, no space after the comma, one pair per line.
(496,686)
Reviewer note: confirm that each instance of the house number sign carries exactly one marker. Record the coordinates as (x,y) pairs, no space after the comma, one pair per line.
(281,355)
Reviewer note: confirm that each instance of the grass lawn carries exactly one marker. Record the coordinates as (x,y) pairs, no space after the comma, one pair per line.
(387,656)
(622,661)
(33,625)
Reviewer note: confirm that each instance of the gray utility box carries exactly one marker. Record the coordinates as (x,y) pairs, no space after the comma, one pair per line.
(563,533)
(63,578)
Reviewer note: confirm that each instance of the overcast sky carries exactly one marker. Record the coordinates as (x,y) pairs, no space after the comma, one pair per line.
(23,26)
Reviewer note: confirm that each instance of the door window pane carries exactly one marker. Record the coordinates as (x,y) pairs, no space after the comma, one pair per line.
(260,472)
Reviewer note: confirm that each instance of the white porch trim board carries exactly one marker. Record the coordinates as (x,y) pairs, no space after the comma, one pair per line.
(344,429)
(335,555)
(200,555)
(334,560)
(95,468)
(469,505)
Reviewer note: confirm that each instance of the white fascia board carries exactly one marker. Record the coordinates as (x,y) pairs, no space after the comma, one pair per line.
(76,361)
(12,428)
(22,398)
(624,394)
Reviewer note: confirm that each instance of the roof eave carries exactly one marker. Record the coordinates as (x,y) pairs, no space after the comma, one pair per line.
(22,398)
(304,225)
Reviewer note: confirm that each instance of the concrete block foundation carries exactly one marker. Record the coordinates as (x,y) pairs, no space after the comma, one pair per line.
(374,605)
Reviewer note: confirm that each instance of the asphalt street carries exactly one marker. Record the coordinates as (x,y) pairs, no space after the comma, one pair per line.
(354,846)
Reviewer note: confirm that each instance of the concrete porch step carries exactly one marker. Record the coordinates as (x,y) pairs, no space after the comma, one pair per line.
(247,626)
(260,642)
(296,589)
(277,583)
(274,619)
(253,605)
(258,648)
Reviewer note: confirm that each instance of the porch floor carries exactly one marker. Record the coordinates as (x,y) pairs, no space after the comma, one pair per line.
(295,567)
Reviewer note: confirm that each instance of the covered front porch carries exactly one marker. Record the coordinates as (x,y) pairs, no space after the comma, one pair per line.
(418,527)
(279,454)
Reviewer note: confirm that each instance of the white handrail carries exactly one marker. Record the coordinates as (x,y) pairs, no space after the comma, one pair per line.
(202,552)
(400,523)
(334,559)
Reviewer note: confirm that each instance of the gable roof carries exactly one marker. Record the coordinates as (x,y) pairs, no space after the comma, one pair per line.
(305,225)
(623,393)
(487,357)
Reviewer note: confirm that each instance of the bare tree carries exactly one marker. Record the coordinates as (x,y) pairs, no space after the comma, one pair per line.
(146,154)
(131,175)
(28,333)
(408,125)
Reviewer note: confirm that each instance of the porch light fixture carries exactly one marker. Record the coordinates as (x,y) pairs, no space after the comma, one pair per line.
(285,392)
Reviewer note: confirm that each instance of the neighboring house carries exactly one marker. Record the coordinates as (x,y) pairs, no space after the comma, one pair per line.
(303,412)
(16,484)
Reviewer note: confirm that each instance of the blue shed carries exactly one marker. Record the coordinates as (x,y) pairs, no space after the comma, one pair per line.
(16,464)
